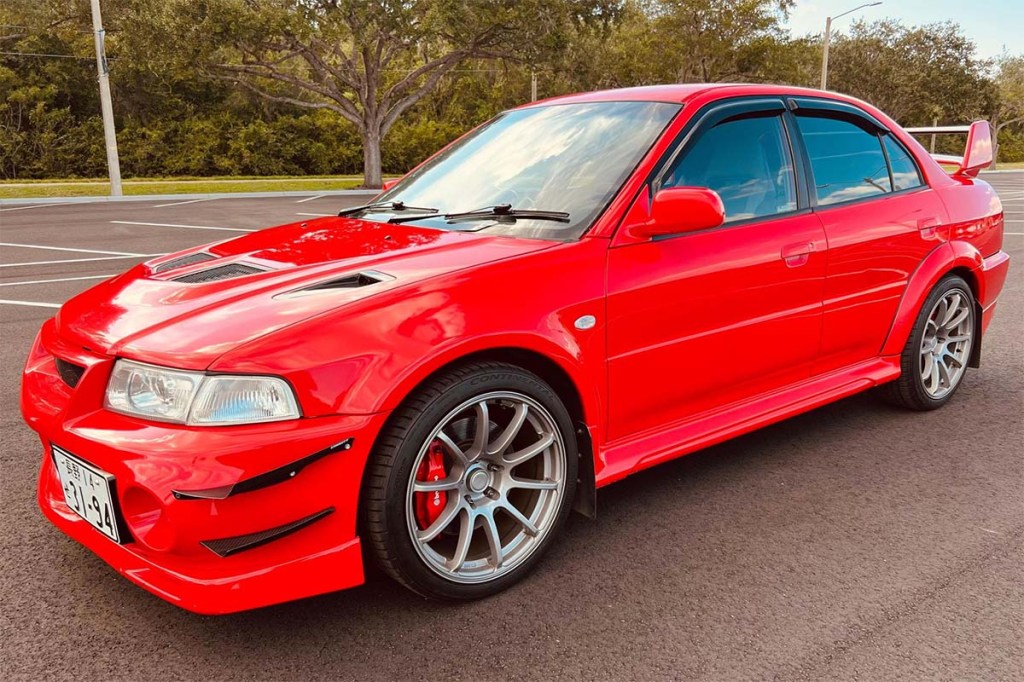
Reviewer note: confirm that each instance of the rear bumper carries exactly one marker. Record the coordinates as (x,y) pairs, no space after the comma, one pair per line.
(151,462)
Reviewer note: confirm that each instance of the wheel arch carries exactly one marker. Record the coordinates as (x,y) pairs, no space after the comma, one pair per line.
(949,258)
(565,383)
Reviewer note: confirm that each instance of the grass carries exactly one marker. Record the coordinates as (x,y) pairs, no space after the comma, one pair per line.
(1015,165)
(34,189)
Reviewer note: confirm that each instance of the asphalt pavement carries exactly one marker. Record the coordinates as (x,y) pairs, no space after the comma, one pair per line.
(857,541)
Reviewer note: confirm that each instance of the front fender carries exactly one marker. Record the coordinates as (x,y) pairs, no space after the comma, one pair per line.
(944,258)
(368,357)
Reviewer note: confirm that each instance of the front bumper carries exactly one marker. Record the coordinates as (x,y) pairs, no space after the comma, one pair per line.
(153,464)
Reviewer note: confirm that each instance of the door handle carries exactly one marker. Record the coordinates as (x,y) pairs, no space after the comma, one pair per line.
(795,255)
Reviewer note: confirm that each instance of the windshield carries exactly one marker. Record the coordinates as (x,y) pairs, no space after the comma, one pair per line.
(571,158)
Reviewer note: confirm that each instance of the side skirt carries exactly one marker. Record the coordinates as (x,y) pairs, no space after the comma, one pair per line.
(626,456)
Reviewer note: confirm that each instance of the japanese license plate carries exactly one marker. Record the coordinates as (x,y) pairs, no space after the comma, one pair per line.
(89,492)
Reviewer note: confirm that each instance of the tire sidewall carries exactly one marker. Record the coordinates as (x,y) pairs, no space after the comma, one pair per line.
(421,577)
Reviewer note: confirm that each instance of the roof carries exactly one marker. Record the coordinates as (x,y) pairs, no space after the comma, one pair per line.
(681,92)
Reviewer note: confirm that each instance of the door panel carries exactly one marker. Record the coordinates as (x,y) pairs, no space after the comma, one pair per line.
(873,248)
(709,318)
(876,237)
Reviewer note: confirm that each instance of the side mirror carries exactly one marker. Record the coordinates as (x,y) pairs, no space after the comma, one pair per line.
(978,154)
(388,184)
(676,210)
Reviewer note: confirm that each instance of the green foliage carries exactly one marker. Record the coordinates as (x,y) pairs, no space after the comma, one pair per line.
(184,108)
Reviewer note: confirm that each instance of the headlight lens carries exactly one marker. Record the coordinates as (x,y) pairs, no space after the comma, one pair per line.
(237,400)
(195,398)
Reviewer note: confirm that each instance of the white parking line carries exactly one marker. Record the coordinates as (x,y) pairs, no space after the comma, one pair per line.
(48,281)
(191,227)
(62,203)
(76,260)
(182,203)
(35,304)
(318,215)
(62,248)
(302,201)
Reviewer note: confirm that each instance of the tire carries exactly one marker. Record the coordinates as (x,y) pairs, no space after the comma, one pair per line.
(455,512)
(929,383)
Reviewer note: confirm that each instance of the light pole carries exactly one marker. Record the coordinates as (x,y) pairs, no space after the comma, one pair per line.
(107,109)
(828,37)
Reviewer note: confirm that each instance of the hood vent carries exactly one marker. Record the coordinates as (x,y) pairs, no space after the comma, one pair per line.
(182,261)
(354,281)
(228,271)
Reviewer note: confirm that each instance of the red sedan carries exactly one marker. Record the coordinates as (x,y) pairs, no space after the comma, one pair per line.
(576,290)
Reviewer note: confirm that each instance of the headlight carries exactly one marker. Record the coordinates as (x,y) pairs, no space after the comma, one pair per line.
(195,398)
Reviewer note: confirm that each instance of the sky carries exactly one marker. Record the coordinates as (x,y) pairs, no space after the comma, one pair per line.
(993,25)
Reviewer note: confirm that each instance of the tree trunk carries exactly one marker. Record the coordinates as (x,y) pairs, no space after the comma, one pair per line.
(372,176)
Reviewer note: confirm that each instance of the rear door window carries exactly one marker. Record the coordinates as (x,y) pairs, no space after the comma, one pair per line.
(847,161)
(904,171)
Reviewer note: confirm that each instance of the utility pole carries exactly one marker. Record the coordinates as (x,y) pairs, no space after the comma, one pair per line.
(107,108)
(824,52)
(533,86)
(828,39)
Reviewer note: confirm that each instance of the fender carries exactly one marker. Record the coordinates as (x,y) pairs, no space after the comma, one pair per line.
(944,258)
(569,363)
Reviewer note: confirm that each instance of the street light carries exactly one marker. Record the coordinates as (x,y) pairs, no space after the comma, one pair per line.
(828,37)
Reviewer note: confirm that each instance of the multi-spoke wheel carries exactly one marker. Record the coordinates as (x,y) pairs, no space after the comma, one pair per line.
(935,358)
(470,481)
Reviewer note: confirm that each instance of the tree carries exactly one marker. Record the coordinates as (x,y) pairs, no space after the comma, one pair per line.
(1010,83)
(367,61)
(913,74)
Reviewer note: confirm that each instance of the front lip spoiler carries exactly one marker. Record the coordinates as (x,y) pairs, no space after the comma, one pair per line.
(225,547)
(269,478)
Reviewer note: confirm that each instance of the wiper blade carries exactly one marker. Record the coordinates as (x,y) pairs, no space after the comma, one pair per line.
(498,212)
(384,206)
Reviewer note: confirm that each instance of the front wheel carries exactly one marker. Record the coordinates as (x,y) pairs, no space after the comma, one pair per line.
(470,481)
(935,358)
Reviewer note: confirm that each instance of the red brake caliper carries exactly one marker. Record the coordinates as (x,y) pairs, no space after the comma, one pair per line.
(429,505)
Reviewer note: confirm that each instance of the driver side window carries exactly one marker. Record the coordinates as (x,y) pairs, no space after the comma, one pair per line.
(747,161)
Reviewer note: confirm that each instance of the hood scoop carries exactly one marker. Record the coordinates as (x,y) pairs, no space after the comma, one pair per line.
(182,261)
(228,271)
(353,281)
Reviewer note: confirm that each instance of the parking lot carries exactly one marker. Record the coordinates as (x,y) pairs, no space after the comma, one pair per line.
(854,542)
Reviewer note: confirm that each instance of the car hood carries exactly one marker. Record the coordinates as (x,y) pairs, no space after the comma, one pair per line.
(187,309)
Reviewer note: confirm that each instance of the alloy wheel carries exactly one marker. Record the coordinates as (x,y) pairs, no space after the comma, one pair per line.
(946,343)
(486,487)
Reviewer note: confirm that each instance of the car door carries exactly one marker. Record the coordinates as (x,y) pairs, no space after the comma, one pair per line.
(879,218)
(704,319)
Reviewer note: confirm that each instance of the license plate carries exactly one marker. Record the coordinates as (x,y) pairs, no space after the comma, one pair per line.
(89,492)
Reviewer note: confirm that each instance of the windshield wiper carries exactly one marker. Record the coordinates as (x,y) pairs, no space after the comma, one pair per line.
(498,212)
(383,206)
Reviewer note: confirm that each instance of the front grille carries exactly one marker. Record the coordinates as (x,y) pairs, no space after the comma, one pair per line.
(182,261)
(70,373)
(228,271)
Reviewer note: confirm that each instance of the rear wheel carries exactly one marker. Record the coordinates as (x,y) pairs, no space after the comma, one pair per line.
(470,481)
(935,358)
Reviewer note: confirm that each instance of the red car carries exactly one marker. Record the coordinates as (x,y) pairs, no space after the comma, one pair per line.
(576,290)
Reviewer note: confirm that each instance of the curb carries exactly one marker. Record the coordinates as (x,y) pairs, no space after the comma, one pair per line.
(189,197)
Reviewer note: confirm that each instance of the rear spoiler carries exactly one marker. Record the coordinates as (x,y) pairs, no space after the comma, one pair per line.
(977,154)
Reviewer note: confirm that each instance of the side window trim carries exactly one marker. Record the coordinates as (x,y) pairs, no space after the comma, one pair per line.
(806,196)
(827,108)
(888,161)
